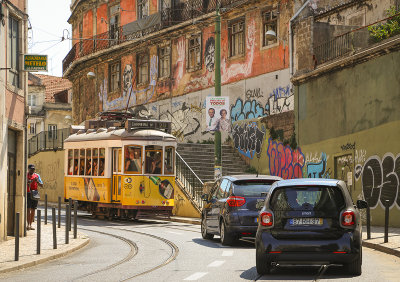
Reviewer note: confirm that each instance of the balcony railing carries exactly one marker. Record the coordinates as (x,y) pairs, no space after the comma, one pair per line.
(47,141)
(191,182)
(181,12)
(352,41)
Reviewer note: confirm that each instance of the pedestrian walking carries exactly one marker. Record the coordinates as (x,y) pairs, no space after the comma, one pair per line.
(33,181)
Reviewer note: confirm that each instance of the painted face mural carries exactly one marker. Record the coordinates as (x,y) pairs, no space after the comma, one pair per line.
(209,58)
(128,74)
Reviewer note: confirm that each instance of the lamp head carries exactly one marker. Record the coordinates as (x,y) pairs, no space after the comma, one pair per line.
(270,35)
(91,75)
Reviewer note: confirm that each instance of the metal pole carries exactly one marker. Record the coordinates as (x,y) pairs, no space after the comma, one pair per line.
(17,236)
(217,136)
(66,224)
(39,219)
(59,212)
(386,221)
(368,223)
(69,214)
(75,219)
(45,209)
(53,217)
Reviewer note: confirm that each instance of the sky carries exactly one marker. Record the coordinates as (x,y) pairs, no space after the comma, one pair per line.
(48,19)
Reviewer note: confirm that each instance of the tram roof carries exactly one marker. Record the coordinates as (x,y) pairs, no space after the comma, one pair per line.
(121,134)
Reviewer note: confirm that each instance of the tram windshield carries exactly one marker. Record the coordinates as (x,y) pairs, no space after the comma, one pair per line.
(133,159)
(153,160)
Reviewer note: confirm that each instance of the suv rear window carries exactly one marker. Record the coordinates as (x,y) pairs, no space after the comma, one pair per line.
(251,188)
(307,198)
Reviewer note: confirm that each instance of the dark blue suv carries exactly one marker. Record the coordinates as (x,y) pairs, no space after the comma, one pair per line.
(231,209)
(308,222)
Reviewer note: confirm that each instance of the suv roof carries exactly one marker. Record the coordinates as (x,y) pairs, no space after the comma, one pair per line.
(308,181)
(251,177)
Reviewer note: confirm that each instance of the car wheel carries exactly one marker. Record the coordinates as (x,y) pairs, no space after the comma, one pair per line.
(226,237)
(263,265)
(354,267)
(204,232)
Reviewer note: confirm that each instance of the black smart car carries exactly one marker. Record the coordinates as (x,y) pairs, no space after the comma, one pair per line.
(231,210)
(309,222)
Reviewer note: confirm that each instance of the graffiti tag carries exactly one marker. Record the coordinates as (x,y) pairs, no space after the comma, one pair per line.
(248,139)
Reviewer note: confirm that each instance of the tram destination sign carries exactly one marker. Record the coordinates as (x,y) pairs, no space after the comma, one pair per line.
(34,62)
(132,124)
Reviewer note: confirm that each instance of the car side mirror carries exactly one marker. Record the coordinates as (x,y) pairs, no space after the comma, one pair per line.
(361,204)
(264,194)
(204,197)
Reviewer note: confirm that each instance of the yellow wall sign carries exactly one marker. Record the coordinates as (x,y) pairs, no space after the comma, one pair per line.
(35,62)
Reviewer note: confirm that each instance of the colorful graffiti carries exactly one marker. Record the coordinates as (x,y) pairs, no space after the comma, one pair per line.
(284,161)
(246,110)
(280,100)
(135,97)
(380,180)
(209,58)
(248,139)
(318,169)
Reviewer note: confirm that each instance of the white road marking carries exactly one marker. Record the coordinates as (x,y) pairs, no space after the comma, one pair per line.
(196,276)
(216,263)
(174,232)
(227,253)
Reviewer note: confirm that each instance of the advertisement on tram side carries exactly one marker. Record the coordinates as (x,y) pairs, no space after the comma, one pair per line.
(88,189)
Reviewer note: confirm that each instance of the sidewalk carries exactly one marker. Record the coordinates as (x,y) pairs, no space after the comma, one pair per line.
(27,247)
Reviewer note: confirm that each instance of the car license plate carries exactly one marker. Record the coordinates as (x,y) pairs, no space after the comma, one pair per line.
(306,221)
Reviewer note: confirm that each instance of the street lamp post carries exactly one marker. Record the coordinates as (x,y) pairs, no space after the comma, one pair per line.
(217,85)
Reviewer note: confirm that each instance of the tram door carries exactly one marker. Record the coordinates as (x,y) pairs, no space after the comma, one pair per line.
(117,171)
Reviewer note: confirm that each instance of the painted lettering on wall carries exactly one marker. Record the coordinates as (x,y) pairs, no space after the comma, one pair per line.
(284,161)
(248,138)
(253,93)
(280,101)
(318,169)
(246,110)
(380,179)
(348,146)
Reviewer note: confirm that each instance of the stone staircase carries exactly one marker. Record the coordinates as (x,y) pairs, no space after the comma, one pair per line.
(200,158)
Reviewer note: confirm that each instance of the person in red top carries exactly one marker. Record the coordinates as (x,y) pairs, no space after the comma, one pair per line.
(33,180)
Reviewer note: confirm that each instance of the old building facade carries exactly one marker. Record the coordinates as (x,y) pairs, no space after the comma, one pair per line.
(13,90)
(156,59)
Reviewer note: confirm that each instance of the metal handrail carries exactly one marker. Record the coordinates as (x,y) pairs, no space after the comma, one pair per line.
(47,140)
(191,182)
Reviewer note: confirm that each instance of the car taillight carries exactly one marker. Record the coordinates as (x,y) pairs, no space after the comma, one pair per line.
(234,201)
(348,218)
(266,219)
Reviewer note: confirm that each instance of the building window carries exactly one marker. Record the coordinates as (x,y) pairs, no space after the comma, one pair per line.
(32,128)
(194,52)
(236,38)
(114,76)
(52,131)
(142,9)
(114,24)
(143,68)
(270,22)
(31,100)
(164,55)
(13,51)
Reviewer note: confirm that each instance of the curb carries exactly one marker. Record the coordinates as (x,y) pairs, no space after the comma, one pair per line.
(381,248)
(184,220)
(42,260)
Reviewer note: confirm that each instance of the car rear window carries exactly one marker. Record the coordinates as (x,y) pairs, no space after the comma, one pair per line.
(310,198)
(251,188)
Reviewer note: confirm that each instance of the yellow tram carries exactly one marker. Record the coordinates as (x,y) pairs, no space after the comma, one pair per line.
(126,170)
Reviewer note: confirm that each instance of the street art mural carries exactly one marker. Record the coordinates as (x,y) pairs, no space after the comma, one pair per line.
(284,161)
(209,57)
(318,169)
(380,180)
(180,62)
(248,138)
(135,97)
(278,101)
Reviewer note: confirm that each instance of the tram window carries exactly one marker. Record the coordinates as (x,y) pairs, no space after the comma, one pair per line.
(76,162)
(95,170)
(169,160)
(117,158)
(101,161)
(133,159)
(82,162)
(88,162)
(70,162)
(153,159)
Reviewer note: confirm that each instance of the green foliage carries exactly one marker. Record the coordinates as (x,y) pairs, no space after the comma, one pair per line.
(276,134)
(189,141)
(385,30)
(251,170)
(209,141)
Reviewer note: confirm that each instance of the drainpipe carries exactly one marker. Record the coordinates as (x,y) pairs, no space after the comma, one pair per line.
(291,36)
